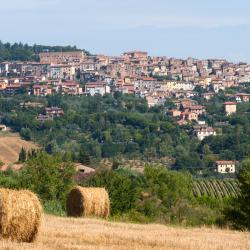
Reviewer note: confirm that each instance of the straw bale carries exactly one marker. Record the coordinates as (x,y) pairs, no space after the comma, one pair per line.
(88,202)
(20,215)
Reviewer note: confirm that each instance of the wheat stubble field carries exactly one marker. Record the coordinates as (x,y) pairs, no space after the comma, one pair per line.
(66,233)
(10,146)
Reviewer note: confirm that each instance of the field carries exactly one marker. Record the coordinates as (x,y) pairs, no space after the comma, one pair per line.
(216,188)
(67,233)
(10,146)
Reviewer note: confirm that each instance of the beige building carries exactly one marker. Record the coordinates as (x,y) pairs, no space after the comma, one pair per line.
(230,107)
(73,57)
(136,54)
(152,101)
(65,72)
(176,85)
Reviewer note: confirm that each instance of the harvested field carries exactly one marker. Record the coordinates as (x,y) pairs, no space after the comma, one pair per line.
(68,233)
(10,146)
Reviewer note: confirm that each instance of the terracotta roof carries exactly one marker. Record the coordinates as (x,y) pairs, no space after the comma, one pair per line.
(225,162)
(197,107)
(230,103)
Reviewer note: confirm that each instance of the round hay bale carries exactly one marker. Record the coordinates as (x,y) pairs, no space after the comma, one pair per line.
(88,202)
(20,215)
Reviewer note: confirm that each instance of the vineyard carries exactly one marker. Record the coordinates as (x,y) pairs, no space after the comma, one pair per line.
(216,188)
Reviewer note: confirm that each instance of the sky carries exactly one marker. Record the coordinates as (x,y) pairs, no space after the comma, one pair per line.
(177,28)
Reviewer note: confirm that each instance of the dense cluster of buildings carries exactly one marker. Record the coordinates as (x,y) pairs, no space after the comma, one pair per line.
(154,78)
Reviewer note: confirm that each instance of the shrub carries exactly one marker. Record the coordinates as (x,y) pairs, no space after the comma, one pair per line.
(53,207)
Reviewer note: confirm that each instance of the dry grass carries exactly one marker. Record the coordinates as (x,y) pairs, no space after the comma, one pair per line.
(66,233)
(88,202)
(10,146)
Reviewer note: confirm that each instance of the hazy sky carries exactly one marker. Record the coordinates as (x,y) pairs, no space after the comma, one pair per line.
(180,28)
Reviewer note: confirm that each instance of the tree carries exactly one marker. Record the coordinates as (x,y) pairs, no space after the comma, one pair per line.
(26,134)
(48,176)
(238,213)
(121,186)
(22,155)
(1,163)
(84,157)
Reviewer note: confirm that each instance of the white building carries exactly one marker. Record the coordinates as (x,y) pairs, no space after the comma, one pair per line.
(97,88)
(225,167)
(203,131)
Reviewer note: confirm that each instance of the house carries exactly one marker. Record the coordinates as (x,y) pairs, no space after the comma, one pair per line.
(208,96)
(43,118)
(83,172)
(41,90)
(136,54)
(224,167)
(127,89)
(241,97)
(189,116)
(202,131)
(186,103)
(175,112)
(71,88)
(145,83)
(174,85)
(29,104)
(54,112)
(12,89)
(197,109)
(152,101)
(89,65)
(230,107)
(65,72)
(94,88)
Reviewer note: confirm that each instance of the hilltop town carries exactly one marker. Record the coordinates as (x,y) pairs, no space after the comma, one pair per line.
(133,72)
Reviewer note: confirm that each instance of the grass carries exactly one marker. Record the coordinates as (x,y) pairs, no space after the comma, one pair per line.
(67,233)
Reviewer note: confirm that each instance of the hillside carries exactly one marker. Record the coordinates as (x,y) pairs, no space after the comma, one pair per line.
(65,233)
(10,146)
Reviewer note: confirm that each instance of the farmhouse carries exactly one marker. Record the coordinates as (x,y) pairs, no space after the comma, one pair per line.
(224,167)
(203,131)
